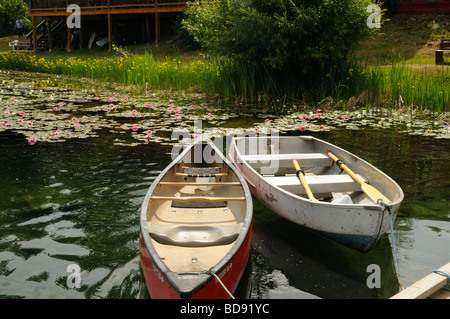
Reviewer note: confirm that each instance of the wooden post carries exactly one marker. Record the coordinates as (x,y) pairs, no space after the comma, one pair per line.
(49,35)
(80,37)
(147,29)
(109,32)
(69,39)
(34,34)
(156,28)
(439,59)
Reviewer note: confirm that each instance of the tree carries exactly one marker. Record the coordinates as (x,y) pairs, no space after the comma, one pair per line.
(303,38)
(10,10)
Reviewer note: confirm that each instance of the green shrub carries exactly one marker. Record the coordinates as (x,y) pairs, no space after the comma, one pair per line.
(290,40)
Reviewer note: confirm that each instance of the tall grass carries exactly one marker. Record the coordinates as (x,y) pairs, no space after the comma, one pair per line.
(389,86)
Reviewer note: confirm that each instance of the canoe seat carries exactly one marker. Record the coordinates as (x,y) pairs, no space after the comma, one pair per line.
(285,160)
(198,198)
(194,183)
(317,183)
(194,236)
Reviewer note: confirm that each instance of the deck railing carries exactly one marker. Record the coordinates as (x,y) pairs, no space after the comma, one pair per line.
(41,6)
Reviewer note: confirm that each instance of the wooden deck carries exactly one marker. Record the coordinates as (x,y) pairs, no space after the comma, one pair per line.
(47,8)
(433,286)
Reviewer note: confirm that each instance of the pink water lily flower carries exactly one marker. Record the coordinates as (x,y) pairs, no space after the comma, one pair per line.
(302,128)
(135,128)
(32,141)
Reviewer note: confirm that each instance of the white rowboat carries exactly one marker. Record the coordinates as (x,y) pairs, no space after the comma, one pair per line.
(343,212)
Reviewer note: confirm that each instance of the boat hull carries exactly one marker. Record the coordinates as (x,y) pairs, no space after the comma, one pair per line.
(355,226)
(159,286)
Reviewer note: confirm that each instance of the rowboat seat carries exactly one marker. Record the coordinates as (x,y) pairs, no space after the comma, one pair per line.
(283,160)
(317,183)
(194,236)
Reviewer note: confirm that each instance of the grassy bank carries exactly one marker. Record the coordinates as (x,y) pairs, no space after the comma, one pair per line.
(393,86)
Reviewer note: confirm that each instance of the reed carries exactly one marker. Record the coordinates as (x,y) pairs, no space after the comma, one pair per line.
(391,86)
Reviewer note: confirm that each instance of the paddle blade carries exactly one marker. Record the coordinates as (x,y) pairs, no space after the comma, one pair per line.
(373,193)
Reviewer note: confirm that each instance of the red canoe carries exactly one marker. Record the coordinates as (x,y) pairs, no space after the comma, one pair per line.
(196,227)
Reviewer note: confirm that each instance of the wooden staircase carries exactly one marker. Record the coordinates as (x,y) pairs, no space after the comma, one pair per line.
(56,28)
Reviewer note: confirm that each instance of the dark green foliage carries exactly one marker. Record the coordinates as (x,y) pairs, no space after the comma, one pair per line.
(288,40)
(10,10)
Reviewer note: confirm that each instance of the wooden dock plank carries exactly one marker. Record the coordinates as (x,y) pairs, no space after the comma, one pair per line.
(432,286)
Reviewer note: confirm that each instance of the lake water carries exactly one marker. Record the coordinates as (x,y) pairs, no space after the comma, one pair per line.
(73,198)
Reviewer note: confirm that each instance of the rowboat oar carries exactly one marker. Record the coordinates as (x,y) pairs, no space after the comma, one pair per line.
(301,177)
(369,190)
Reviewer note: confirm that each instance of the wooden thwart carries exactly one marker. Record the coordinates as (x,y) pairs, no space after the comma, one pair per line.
(433,286)
(304,159)
(198,198)
(199,184)
(318,183)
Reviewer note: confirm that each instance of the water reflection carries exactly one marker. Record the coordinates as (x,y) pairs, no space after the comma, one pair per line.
(78,202)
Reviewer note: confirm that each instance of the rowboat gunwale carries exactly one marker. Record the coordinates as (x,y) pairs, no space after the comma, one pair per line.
(244,236)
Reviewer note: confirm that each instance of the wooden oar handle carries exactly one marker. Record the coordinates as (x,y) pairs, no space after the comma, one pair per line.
(333,157)
(297,167)
(302,179)
(369,190)
(344,167)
